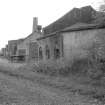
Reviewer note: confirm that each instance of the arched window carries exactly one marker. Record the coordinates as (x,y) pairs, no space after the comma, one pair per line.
(47,52)
(40,53)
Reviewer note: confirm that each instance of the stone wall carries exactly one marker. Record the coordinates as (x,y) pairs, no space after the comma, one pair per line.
(54,46)
(79,44)
(73,45)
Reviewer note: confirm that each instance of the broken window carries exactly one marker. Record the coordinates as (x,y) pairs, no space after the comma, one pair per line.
(56,52)
(40,53)
(15,49)
(22,52)
(47,52)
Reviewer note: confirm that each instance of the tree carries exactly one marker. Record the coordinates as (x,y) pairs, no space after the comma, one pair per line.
(99,16)
(102,8)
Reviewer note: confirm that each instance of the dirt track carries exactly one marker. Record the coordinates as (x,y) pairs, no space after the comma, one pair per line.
(24,91)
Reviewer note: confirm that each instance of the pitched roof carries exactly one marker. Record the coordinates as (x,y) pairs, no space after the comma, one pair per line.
(84,15)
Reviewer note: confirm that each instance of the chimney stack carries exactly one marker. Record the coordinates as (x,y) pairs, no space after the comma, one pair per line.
(35,24)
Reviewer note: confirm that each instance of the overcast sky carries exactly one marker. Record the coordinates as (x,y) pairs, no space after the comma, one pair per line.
(16,16)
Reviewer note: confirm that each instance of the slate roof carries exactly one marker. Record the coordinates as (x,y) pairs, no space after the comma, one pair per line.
(83,26)
(83,15)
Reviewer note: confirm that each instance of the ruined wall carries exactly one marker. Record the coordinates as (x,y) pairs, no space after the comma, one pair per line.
(12,47)
(52,43)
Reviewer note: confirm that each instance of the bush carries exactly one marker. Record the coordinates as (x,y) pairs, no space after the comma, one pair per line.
(95,73)
(64,71)
(60,68)
(80,66)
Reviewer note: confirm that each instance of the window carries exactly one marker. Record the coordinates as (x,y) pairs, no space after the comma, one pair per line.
(47,52)
(56,52)
(40,53)
(15,49)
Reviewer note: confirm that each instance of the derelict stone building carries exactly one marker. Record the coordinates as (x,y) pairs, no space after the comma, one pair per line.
(73,36)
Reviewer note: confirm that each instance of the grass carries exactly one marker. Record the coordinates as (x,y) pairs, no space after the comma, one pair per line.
(80,78)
